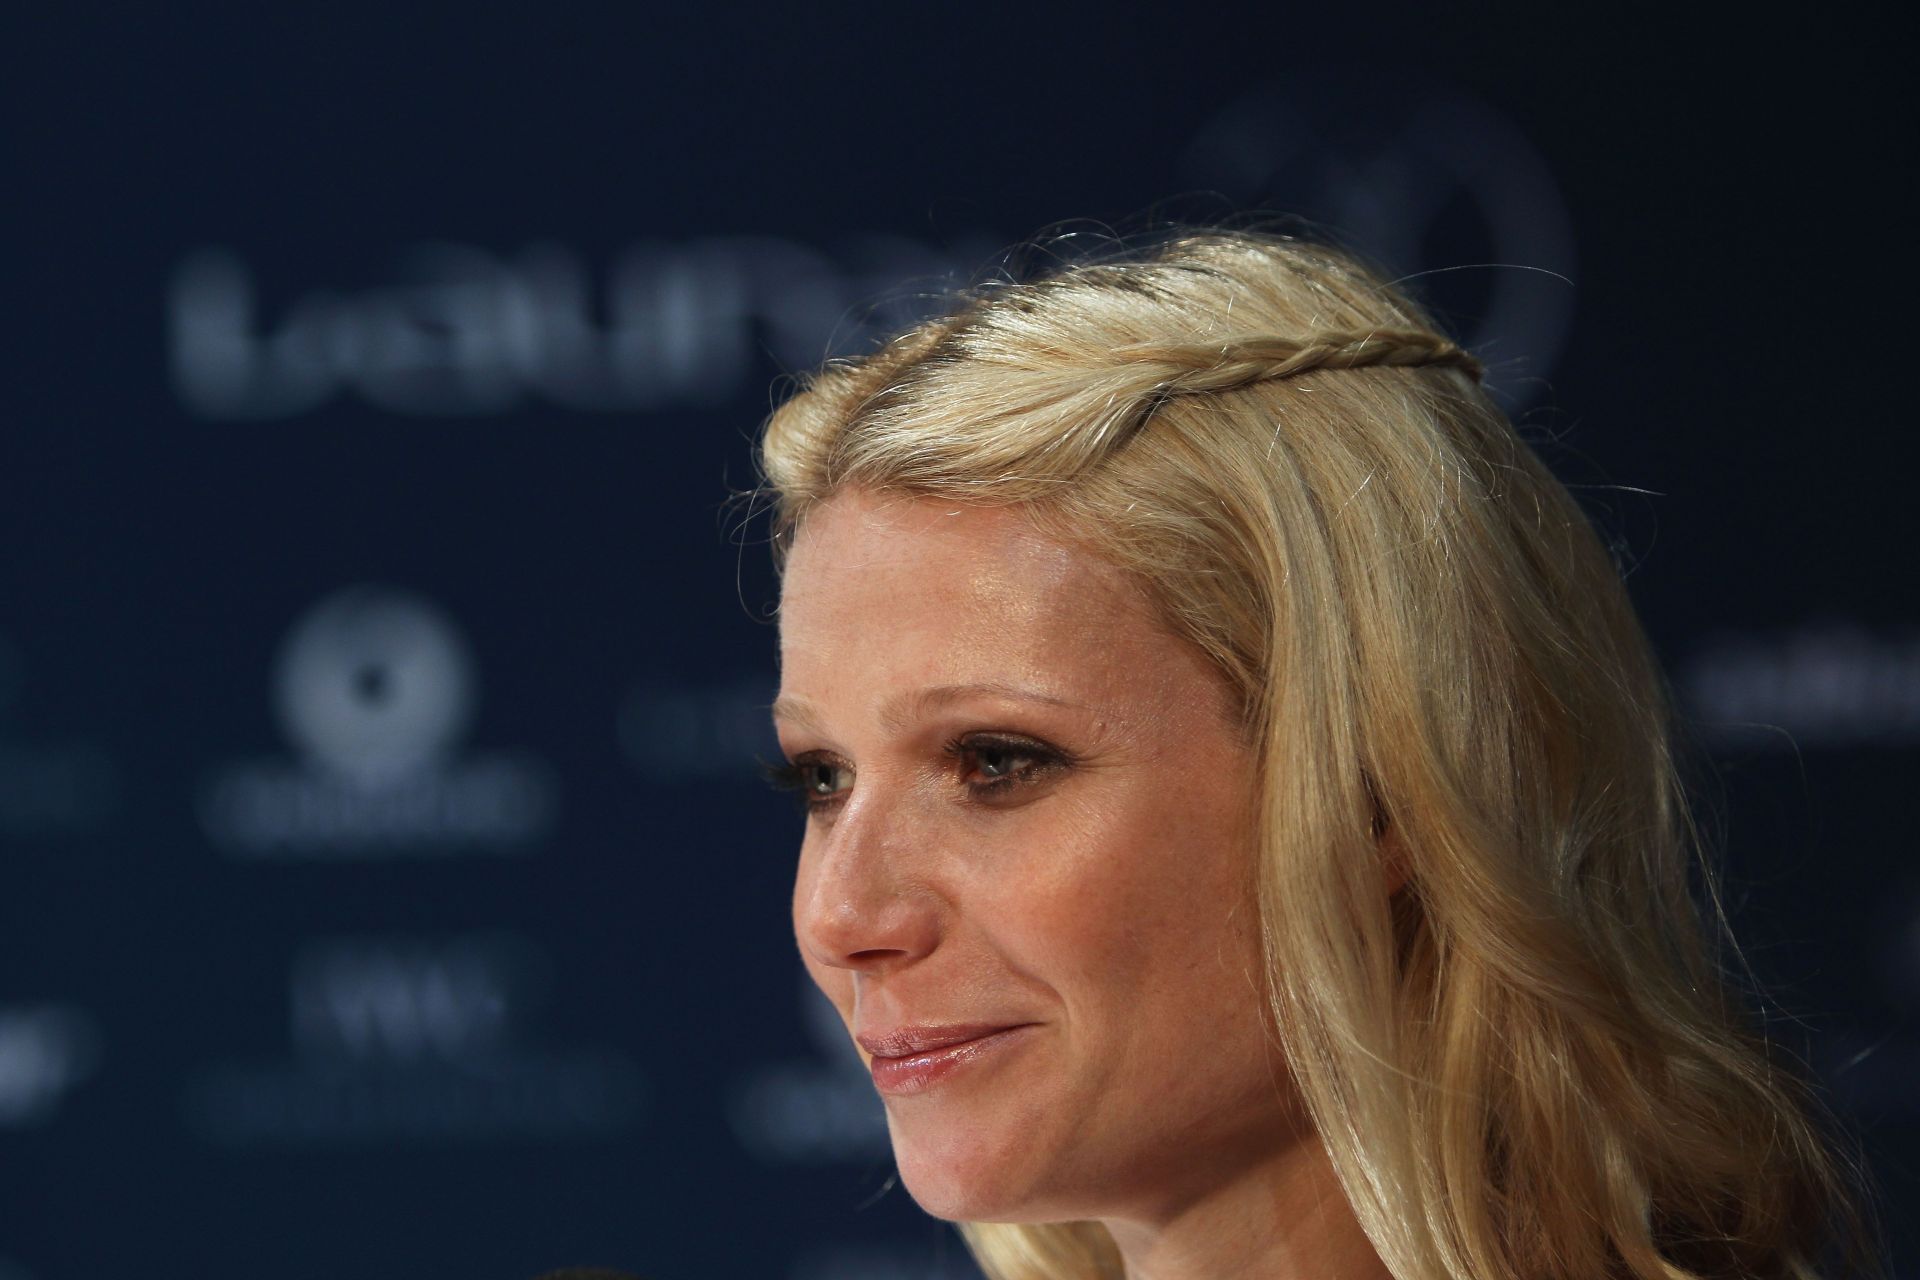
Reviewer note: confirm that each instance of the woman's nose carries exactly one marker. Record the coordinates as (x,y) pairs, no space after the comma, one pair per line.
(861,900)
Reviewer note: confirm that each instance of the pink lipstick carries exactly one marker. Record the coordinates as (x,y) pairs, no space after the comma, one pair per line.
(906,1060)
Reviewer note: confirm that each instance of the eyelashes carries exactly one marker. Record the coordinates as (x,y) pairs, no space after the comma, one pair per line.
(812,779)
(993,769)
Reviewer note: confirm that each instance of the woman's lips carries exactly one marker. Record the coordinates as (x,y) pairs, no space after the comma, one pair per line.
(909,1059)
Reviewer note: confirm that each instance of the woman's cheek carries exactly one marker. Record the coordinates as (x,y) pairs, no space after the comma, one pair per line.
(1080,915)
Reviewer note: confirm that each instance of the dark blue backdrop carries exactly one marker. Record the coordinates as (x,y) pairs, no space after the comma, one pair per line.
(385,889)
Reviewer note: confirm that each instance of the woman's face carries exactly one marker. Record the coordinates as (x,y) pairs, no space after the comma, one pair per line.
(1026,878)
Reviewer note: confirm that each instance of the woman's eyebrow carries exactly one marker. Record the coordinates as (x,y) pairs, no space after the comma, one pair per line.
(902,709)
(788,709)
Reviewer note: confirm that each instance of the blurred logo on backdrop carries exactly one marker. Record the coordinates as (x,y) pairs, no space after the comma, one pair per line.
(823,1110)
(1829,684)
(48,788)
(459,330)
(413,1038)
(685,732)
(45,1050)
(374,689)
(1439,189)
(818,1110)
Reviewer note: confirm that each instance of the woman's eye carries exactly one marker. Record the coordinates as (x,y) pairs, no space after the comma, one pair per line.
(823,779)
(815,780)
(994,768)
(1000,762)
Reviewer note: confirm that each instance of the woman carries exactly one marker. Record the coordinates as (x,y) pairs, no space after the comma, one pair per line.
(1242,832)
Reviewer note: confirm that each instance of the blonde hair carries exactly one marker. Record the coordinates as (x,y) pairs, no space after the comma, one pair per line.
(1527,1063)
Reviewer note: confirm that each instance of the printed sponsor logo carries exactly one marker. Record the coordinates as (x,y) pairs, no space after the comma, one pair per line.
(48,788)
(375,690)
(465,331)
(369,1000)
(1826,684)
(819,1111)
(1442,190)
(398,1039)
(45,1050)
(1829,685)
(687,732)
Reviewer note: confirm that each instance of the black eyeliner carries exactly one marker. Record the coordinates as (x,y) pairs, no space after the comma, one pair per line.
(1045,760)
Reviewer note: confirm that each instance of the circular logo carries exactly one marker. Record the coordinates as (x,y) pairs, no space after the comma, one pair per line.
(1442,191)
(373,684)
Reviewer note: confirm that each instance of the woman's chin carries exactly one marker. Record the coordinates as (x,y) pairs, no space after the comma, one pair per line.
(960,1180)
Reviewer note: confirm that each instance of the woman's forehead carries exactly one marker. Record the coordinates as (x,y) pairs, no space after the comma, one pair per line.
(915,592)
(901,553)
